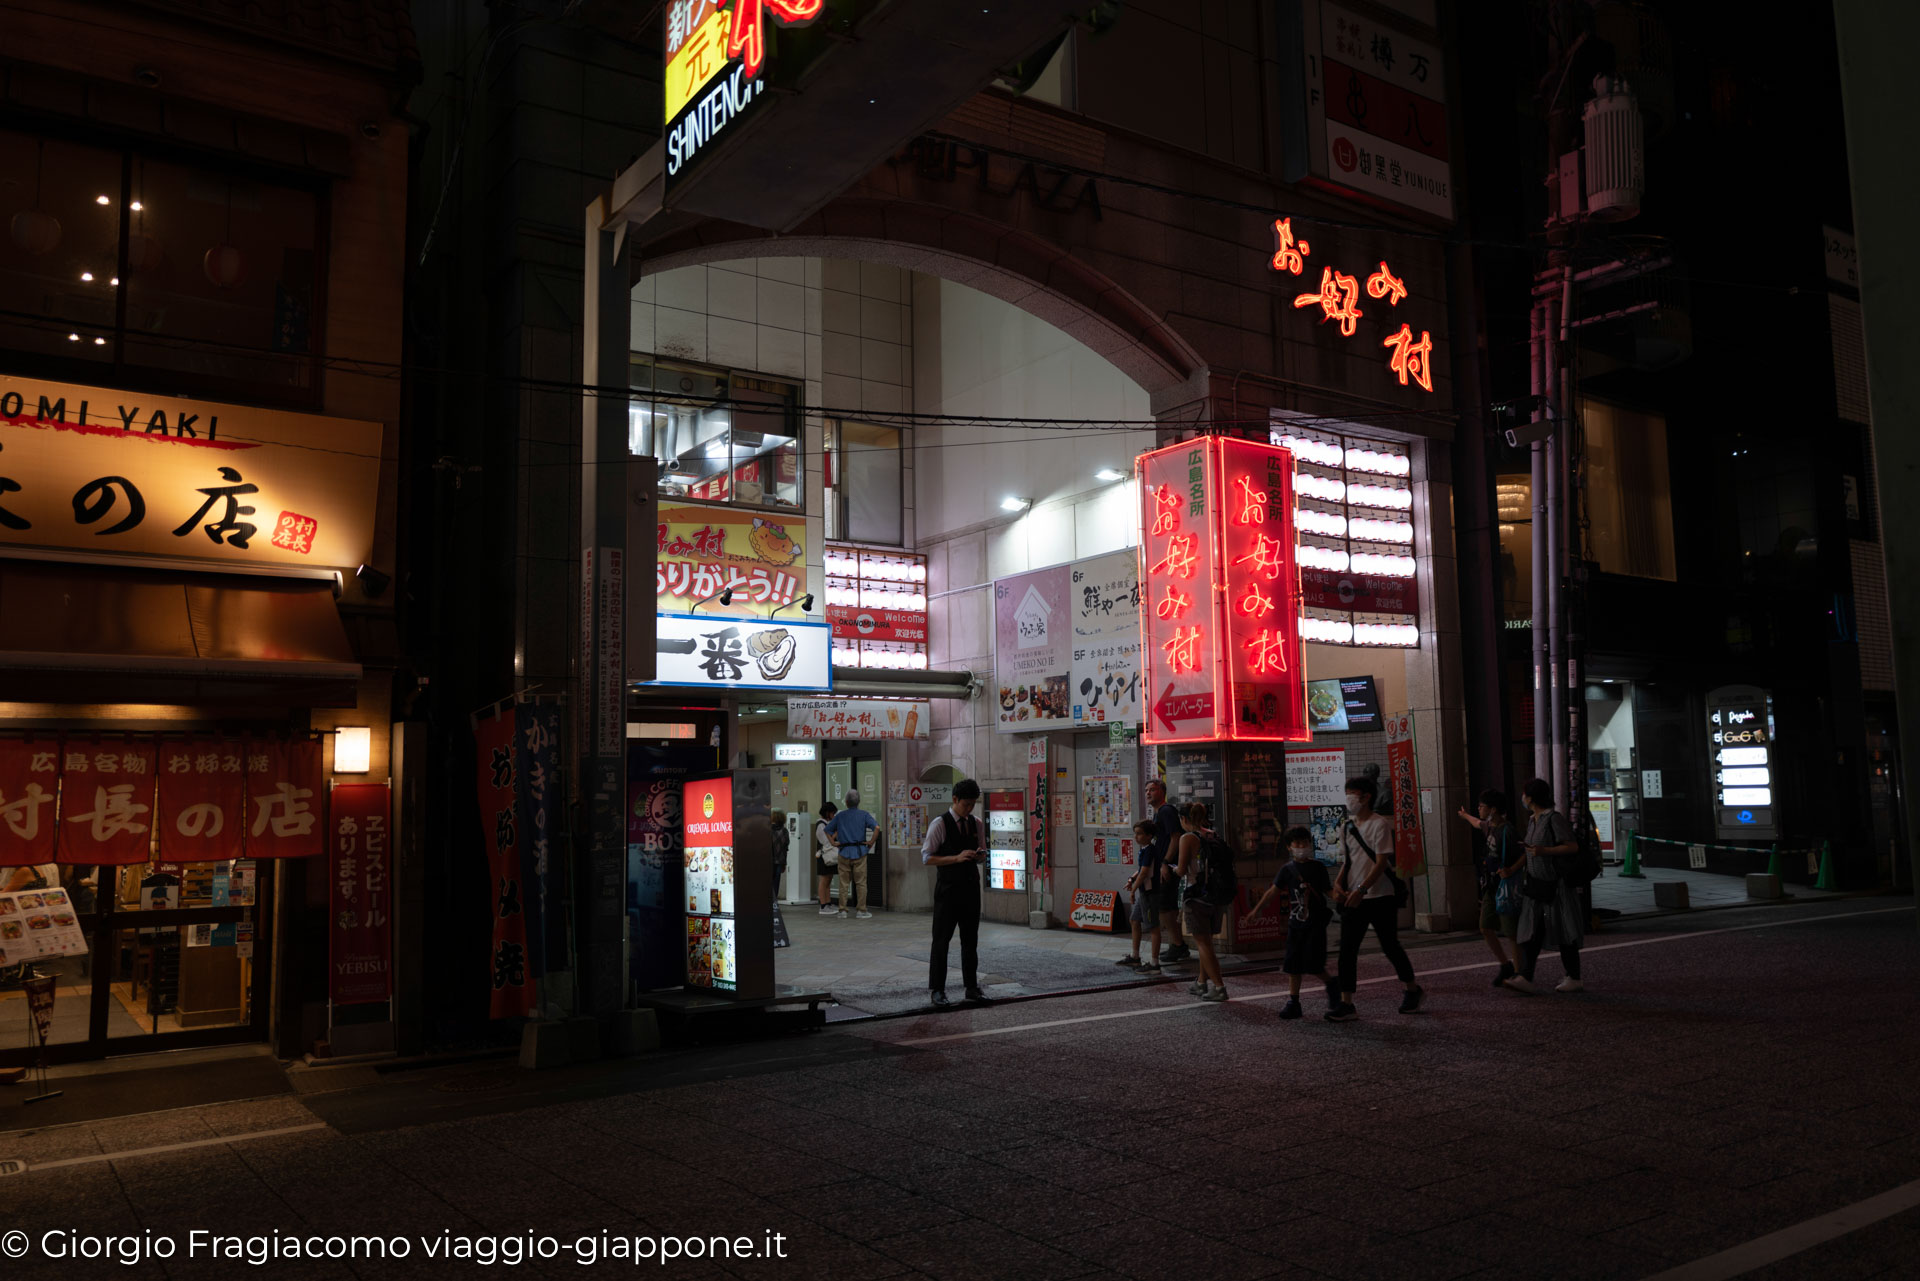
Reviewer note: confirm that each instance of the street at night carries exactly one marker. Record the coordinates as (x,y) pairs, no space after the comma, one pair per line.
(1276,648)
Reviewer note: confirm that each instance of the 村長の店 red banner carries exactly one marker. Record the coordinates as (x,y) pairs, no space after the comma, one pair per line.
(123,799)
(106,795)
(508,971)
(203,799)
(29,795)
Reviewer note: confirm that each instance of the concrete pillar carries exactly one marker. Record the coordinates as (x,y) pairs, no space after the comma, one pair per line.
(1875,76)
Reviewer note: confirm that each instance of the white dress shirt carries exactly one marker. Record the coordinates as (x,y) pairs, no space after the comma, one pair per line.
(936,835)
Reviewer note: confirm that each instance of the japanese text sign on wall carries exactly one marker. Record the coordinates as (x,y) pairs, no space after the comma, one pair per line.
(360,897)
(508,972)
(115,473)
(1220,599)
(858,718)
(715,53)
(700,551)
(737,653)
(1337,299)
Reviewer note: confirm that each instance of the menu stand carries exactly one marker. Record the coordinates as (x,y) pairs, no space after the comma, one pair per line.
(39,990)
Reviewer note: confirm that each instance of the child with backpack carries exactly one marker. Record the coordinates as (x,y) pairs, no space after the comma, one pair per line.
(1309,889)
(1205,865)
(1370,894)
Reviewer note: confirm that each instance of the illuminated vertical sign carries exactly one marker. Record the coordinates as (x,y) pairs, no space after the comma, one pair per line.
(716,52)
(1740,728)
(1220,594)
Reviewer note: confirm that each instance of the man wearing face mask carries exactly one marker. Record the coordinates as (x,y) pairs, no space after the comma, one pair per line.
(1309,890)
(1368,894)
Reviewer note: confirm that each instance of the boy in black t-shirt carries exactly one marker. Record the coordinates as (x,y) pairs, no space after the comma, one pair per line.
(1309,889)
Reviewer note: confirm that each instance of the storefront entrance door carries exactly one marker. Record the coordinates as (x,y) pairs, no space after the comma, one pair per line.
(175,959)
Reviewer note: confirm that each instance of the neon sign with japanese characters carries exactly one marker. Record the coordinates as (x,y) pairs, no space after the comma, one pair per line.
(1409,359)
(1220,594)
(716,51)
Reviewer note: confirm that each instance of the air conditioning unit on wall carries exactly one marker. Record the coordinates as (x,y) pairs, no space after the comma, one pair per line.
(1615,151)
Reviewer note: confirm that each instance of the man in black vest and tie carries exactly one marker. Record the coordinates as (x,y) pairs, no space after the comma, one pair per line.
(955,847)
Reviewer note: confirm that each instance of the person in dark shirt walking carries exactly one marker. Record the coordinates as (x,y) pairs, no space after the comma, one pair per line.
(956,846)
(1166,825)
(1308,886)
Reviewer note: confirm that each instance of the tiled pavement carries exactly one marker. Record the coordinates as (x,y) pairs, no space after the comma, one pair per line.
(1707,1090)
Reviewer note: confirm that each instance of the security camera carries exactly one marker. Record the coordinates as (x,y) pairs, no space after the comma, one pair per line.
(1531,433)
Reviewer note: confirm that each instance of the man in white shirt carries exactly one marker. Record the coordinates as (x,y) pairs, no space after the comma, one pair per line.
(956,846)
(1368,895)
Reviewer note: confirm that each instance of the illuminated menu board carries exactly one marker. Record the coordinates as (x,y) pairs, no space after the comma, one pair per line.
(1007,840)
(1220,594)
(1740,735)
(712,943)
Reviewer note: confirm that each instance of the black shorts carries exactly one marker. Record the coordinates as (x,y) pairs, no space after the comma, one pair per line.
(821,867)
(1306,948)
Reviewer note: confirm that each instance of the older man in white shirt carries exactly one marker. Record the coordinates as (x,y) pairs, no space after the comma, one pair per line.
(956,846)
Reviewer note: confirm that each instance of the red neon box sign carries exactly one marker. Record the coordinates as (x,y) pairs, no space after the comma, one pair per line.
(1220,605)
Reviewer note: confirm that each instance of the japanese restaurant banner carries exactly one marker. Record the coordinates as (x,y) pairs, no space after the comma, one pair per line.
(1106,639)
(858,718)
(1179,658)
(29,788)
(107,814)
(1033,650)
(115,472)
(203,799)
(359,896)
(1409,846)
(536,737)
(286,792)
(702,550)
(508,972)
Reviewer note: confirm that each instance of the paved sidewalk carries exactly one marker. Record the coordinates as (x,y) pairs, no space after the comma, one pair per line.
(1704,890)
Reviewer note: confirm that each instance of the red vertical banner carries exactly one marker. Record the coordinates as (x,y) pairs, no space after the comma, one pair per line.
(1410,850)
(508,971)
(29,791)
(203,799)
(285,796)
(1180,640)
(359,897)
(1264,677)
(1039,821)
(107,814)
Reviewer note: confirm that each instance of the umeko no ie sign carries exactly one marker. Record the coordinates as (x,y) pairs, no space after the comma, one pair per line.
(1220,594)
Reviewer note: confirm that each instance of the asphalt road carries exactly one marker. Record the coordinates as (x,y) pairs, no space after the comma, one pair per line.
(1724,1078)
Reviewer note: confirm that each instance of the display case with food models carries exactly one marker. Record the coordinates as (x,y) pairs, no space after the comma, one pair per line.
(1007,840)
(728,853)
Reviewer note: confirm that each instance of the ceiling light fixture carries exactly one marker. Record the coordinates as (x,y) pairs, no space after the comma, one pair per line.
(1011,504)
(1109,474)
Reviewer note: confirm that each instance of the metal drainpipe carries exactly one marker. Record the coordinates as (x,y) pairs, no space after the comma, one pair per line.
(1556,554)
(1537,538)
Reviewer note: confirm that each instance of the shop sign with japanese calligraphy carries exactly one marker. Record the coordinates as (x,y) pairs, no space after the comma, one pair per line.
(858,718)
(701,551)
(1376,109)
(360,896)
(1220,607)
(115,473)
(1409,360)
(716,54)
(711,652)
(114,799)
(508,973)
(536,738)
(1105,680)
(1409,842)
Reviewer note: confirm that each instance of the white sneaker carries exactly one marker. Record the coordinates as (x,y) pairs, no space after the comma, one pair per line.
(1520,983)
(842,914)
(865,916)
(1569,985)
(828,911)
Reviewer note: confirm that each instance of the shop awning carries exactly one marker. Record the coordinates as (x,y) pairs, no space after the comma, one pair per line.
(98,634)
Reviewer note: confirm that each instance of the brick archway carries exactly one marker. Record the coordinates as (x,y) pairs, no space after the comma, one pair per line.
(1012,265)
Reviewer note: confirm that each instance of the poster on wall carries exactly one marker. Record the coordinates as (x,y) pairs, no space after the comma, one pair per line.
(359,897)
(1033,650)
(701,551)
(1105,677)
(1409,844)
(1316,791)
(863,719)
(707,807)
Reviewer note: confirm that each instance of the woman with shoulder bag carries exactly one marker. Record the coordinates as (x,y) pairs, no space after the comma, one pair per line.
(1550,910)
(1369,895)
(826,858)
